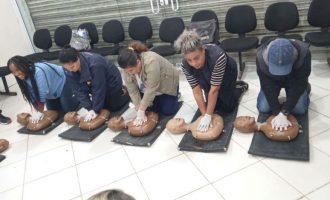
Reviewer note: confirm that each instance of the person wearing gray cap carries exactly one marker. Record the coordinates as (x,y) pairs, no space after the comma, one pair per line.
(283,63)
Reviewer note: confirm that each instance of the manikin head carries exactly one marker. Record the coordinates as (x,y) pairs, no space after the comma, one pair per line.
(245,124)
(3,145)
(176,125)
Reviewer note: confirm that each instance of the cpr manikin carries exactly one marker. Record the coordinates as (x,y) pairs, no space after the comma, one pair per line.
(246,124)
(178,125)
(3,145)
(73,118)
(118,123)
(50,116)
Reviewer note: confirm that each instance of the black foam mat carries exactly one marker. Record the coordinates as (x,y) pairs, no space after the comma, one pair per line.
(59,121)
(124,138)
(2,157)
(76,134)
(189,143)
(297,149)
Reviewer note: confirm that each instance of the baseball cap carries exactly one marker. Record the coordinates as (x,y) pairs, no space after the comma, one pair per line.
(281,56)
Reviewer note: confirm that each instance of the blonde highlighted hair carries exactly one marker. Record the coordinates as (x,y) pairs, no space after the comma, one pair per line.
(188,41)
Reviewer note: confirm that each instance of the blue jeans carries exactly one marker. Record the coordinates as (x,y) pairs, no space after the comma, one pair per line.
(66,102)
(299,109)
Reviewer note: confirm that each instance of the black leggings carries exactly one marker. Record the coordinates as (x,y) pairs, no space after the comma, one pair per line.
(117,100)
(228,94)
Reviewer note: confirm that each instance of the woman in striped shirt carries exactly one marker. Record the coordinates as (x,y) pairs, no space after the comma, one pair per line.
(208,68)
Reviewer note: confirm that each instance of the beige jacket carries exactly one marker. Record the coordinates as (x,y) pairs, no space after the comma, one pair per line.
(157,74)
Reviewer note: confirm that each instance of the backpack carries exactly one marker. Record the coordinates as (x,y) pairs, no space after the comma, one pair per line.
(205,29)
(80,40)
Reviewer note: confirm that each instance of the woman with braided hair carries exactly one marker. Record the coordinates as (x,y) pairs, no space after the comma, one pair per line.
(42,84)
(151,80)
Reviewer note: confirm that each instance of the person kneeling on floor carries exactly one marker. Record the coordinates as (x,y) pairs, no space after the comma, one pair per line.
(283,63)
(151,76)
(209,69)
(95,81)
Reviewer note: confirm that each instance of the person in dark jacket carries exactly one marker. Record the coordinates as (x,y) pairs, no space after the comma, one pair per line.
(283,63)
(208,68)
(96,82)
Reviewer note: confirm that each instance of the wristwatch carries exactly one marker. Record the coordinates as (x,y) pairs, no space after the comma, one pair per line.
(285,112)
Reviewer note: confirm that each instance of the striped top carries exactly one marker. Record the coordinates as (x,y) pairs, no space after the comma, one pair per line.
(217,72)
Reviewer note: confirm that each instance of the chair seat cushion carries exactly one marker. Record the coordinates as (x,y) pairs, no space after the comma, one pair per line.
(164,50)
(104,51)
(36,57)
(239,44)
(291,36)
(4,71)
(319,39)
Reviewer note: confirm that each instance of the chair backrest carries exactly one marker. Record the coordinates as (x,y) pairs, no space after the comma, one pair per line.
(241,19)
(92,31)
(281,16)
(42,39)
(140,28)
(113,32)
(62,35)
(170,29)
(319,13)
(204,15)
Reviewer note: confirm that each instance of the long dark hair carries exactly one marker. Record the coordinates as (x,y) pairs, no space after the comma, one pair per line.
(128,56)
(27,67)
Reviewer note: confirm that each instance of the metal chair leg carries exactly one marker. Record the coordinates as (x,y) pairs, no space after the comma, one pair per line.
(241,66)
(6,92)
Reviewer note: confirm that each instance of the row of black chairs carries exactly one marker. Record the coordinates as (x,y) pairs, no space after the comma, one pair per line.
(280,17)
(140,29)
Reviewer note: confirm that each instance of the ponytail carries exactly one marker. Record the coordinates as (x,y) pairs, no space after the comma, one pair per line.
(128,56)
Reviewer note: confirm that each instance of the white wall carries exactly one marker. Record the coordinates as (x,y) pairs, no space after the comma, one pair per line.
(14,39)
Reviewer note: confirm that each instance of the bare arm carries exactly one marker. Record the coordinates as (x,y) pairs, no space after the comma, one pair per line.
(212,99)
(198,95)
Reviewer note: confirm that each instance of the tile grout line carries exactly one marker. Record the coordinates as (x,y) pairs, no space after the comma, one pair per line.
(135,172)
(98,156)
(249,109)
(25,166)
(154,165)
(209,182)
(107,184)
(234,172)
(318,134)
(316,189)
(312,109)
(282,178)
(76,169)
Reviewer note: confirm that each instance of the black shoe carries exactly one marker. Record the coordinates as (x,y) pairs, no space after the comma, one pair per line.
(4,120)
(242,85)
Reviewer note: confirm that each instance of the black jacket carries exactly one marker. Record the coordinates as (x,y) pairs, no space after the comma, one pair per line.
(98,76)
(294,83)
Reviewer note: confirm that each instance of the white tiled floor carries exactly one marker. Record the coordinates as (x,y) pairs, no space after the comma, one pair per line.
(48,167)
